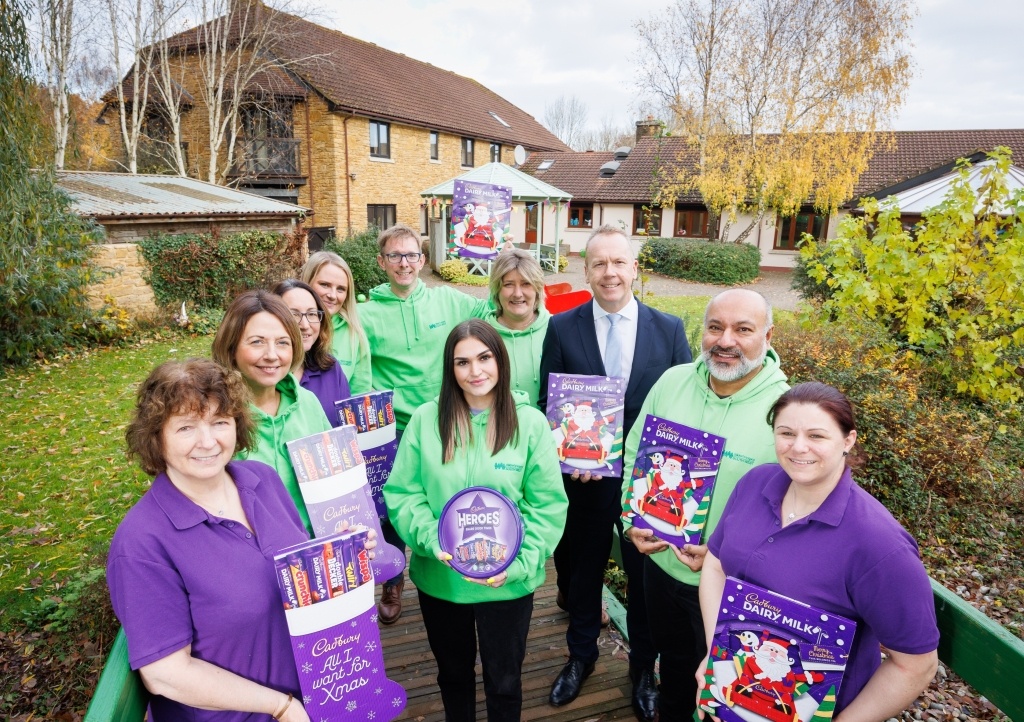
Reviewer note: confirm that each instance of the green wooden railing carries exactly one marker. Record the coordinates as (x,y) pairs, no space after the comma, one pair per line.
(981,651)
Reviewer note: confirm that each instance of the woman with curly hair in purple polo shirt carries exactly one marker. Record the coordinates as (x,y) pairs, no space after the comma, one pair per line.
(803,528)
(190,570)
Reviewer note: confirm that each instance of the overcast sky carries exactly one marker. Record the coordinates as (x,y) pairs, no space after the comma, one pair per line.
(970,65)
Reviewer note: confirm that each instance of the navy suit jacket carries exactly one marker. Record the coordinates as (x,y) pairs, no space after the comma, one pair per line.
(570,347)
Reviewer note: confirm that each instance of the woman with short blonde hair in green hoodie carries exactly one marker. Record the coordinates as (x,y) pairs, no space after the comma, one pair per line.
(478,432)
(519,316)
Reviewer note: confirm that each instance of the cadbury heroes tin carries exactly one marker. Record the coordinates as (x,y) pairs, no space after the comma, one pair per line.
(482,530)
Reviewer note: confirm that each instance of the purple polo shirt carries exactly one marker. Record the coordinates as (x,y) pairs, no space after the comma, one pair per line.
(328,386)
(180,576)
(850,557)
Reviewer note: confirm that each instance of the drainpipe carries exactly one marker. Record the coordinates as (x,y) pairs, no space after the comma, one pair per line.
(348,179)
(309,159)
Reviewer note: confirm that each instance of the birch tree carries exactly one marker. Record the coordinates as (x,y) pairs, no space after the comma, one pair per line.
(56,27)
(131,35)
(783,99)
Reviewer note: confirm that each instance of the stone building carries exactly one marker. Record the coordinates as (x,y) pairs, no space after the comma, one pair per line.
(343,127)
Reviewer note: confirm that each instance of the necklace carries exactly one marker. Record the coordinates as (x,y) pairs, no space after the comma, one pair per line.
(793,515)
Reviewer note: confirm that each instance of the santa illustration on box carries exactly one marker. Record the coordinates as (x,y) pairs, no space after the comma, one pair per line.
(669,491)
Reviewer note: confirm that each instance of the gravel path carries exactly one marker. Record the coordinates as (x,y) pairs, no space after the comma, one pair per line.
(775,285)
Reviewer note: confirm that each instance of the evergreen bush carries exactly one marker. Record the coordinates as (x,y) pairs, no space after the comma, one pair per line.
(208,271)
(360,251)
(703,261)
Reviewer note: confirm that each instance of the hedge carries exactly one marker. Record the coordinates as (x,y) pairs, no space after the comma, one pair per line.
(360,252)
(702,261)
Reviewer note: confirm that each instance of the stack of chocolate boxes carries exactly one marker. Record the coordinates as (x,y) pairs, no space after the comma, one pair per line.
(373,418)
(322,569)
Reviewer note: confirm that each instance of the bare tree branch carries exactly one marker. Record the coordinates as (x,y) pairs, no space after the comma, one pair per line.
(566,117)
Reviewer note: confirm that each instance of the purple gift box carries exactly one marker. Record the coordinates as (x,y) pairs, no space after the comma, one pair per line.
(332,475)
(482,529)
(673,480)
(335,639)
(774,658)
(585,414)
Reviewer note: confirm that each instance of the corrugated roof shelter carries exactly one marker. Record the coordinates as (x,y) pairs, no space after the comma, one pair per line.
(124,196)
(132,207)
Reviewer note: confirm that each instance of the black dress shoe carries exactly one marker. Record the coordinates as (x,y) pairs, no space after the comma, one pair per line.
(645,693)
(569,681)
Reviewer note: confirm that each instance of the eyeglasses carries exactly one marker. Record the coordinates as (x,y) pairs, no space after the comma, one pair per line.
(313,318)
(397,257)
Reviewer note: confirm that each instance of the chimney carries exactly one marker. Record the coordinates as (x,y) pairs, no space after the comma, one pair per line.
(649,128)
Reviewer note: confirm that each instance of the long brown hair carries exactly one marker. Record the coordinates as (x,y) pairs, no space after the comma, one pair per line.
(319,354)
(453,409)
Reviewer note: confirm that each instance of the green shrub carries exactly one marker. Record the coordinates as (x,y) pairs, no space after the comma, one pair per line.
(703,261)
(209,271)
(949,289)
(925,453)
(563,263)
(452,270)
(810,289)
(360,251)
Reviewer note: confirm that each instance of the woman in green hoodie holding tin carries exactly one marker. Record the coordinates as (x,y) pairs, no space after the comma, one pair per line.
(477,433)
(517,287)
(260,339)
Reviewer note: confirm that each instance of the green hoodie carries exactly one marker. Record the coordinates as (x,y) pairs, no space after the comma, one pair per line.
(300,414)
(524,349)
(526,471)
(407,340)
(683,395)
(353,356)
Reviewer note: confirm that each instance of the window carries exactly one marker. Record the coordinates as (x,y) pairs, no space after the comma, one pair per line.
(467,152)
(545,164)
(434,145)
(498,118)
(380,139)
(581,216)
(495,152)
(380,215)
(646,220)
(789,228)
(691,223)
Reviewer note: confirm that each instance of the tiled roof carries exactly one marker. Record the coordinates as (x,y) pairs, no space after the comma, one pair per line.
(575,173)
(368,80)
(910,154)
(105,195)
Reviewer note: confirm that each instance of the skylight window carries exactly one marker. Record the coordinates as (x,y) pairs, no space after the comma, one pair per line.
(498,118)
(545,164)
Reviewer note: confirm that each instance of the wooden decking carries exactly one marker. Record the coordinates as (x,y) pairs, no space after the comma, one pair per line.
(606,694)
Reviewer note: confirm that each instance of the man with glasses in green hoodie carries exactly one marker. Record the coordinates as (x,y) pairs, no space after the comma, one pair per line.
(407,324)
(727,392)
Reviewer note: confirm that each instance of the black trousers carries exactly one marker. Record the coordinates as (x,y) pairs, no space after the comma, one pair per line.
(679,641)
(453,631)
(580,560)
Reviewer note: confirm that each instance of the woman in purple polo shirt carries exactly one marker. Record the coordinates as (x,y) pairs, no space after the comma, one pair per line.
(190,570)
(320,373)
(803,528)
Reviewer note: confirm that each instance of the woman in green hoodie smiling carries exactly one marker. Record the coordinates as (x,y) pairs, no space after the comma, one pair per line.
(260,339)
(477,433)
(517,287)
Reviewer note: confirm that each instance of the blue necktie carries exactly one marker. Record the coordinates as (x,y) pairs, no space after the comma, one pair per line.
(613,347)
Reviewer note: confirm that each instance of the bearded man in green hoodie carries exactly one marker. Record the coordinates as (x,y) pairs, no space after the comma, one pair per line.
(727,392)
(407,324)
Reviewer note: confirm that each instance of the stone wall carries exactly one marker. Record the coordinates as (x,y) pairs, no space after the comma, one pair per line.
(126,287)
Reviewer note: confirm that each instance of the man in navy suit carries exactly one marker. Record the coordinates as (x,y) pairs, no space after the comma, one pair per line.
(614,335)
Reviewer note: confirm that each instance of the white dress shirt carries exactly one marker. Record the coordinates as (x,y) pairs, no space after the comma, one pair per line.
(626,329)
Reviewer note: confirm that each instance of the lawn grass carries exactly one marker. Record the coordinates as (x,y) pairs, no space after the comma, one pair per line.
(65,483)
